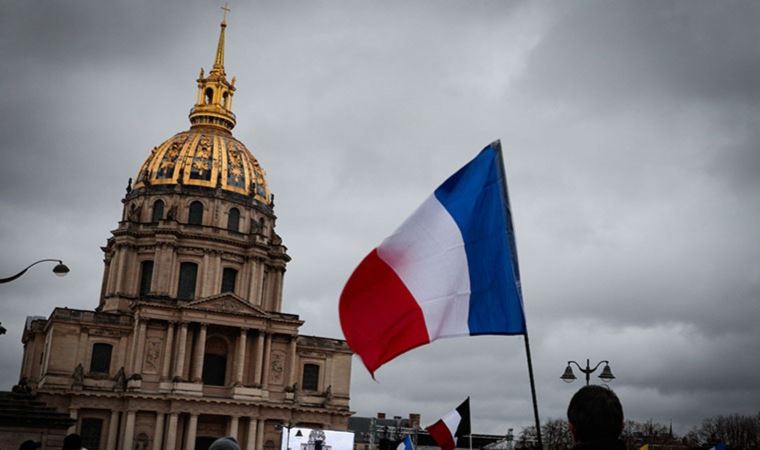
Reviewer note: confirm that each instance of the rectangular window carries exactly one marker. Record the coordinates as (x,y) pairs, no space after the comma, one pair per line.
(100,362)
(310,377)
(229,276)
(188,272)
(146,277)
(91,431)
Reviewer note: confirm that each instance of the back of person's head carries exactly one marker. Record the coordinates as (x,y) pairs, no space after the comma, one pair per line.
(30,445)
(225,443)
(595,413)
(72,442)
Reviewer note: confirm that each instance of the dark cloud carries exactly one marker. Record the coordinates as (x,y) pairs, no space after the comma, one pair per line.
(631,144)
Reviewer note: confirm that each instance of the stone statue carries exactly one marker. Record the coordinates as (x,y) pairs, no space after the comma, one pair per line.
(328,396)
(78,376)
(120,381)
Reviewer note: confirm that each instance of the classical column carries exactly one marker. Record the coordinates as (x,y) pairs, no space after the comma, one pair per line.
(171,432)
(265,365)
(252,435)
(74,414)
(192,426)
(293,368)
(168,343)
(240,361)
(200,348)
(129,431)
(278,290)
(260,434)
(234,422)
(113,431)
(259,361)
(179,363)
(140,347)
(158,433)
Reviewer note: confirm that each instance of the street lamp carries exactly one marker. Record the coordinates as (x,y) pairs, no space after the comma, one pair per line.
(60,269)
(606,375)
(288,426)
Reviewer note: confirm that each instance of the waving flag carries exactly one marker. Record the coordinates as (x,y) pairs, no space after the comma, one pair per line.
(454,424)
(406,444)
(449,270)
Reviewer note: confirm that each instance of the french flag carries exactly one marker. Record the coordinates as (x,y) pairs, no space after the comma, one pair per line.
(454,424)
(449,270)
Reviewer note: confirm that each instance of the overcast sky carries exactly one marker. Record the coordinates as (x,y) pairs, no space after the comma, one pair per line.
(631,133)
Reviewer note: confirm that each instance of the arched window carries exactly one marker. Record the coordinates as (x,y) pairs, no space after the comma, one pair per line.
(158,211)
(209,95)
(100,361)
(146,277)
(229,276)
(233,220)
(215,362)
(195,216)
(224,99)
(310,380)
(188,272)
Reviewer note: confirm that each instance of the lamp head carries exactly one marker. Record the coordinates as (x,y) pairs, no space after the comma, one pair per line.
(607,375)
(61,269)
(568,376)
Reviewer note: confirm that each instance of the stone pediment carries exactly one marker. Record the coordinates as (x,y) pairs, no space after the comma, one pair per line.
(226,303)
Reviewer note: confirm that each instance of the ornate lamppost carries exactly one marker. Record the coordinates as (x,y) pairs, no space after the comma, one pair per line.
(60,269)
(606,375)
(288,426)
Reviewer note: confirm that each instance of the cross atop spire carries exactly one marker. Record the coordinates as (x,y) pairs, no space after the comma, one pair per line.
(219,59)
(226,10)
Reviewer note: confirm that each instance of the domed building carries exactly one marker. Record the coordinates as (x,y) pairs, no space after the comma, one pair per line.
(188,342)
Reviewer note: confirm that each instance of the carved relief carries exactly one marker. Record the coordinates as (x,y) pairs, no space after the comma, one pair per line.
(152,355)
(278,367)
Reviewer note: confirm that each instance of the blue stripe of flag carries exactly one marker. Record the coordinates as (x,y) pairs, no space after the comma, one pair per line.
(476,197)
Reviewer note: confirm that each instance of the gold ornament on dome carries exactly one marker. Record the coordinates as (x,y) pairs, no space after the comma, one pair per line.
(207,155)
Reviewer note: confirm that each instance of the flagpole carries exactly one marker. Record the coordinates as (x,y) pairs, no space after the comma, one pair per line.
(533,391)
(513,245)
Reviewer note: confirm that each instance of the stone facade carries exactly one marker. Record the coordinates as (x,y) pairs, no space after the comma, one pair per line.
(188,342)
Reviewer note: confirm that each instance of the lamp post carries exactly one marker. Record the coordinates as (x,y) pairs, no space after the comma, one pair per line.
(288,426)
(606,375)
(60,269)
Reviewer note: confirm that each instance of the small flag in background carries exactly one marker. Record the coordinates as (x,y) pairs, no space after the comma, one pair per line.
(406,444)
(454,424)
(449,270)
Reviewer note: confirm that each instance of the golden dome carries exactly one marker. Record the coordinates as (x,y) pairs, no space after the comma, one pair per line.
(207,155)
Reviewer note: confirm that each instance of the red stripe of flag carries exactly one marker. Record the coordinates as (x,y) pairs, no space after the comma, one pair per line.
(379,316)
(442,435)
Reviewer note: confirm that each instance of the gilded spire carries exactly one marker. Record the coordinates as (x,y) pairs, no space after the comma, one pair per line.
(213,103)
(219,60)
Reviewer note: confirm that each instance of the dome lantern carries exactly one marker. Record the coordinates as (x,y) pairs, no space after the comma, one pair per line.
(213,103)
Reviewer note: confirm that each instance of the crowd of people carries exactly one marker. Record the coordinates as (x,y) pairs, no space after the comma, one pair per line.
(595,417)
